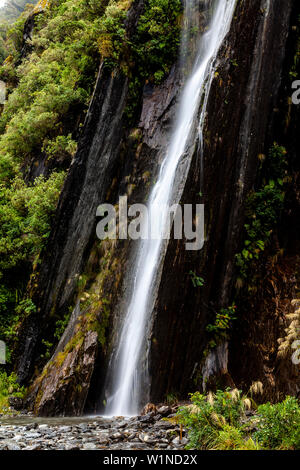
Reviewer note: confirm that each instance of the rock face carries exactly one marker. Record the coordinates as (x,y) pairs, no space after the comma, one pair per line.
(113,160)
(66,376)
(239,127)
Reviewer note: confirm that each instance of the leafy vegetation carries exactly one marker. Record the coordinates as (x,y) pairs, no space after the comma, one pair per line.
(223,322)
(46,90)
(197,281)
(214,421)
(9,387)
(218,421)
(279,425)
(264,208)
(25,220)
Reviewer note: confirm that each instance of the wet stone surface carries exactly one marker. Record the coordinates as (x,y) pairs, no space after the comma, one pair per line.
(149,432)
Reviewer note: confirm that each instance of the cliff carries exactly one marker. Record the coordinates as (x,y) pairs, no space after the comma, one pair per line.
(248,110)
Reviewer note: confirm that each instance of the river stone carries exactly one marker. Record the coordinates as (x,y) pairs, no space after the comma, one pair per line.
(13,447)
(43,427)
(64,429)
(164,410)
(116,435)
(89,446)
(71,446)
(178,442)
(32,435)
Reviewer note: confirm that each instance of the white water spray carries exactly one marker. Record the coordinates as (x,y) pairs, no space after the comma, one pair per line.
(128,375)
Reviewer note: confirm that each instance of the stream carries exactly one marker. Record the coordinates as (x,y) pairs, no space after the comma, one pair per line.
(148,432)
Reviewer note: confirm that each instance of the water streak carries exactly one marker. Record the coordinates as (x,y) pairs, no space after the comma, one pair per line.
(129,376)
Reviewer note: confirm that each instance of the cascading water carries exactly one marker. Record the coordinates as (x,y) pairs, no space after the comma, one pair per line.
(128,376)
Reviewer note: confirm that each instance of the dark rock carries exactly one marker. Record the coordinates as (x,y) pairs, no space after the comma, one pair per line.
(164,410)
(16,402)
(148,418)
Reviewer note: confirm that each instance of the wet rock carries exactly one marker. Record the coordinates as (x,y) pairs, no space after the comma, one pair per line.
(149,439)
(43,427)
(178,442)
(116,435)
(16,402)
(59,382)
(89,436)
(164,410)
(64,429)
(148,418)
(13,447)
(33,447)
(163,424)
(149,408)
(103,439)
(89,446)
(70,446)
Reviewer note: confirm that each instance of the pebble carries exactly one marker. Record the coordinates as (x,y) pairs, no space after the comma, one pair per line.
(25,432)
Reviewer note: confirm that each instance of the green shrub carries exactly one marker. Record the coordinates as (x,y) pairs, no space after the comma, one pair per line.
(218,421)
(9,387)
(279,425)
(25,221)
(209,415)
(25,216)
(157,39)
(231,438)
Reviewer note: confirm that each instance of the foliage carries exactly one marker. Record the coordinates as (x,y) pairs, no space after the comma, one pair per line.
(152,49)
(56,79)
(112,41)
(61,146)
(146,55)
(9,387)
(48,349)
(211,415)
(223,321)
(25,218)
(218,421)
(48,89)
(172,399)
(263,209)
(197,281)
(61,325)
(232,438)
(157,38)
(279,425)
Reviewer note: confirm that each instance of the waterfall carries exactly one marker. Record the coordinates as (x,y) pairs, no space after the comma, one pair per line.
(128,376)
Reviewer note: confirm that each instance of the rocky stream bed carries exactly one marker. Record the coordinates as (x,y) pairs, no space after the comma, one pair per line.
(149,432)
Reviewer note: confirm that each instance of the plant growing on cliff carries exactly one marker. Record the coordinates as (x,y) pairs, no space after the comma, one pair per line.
(25,218)
(157,39)
(263,209)
(223,322)
(197,281)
